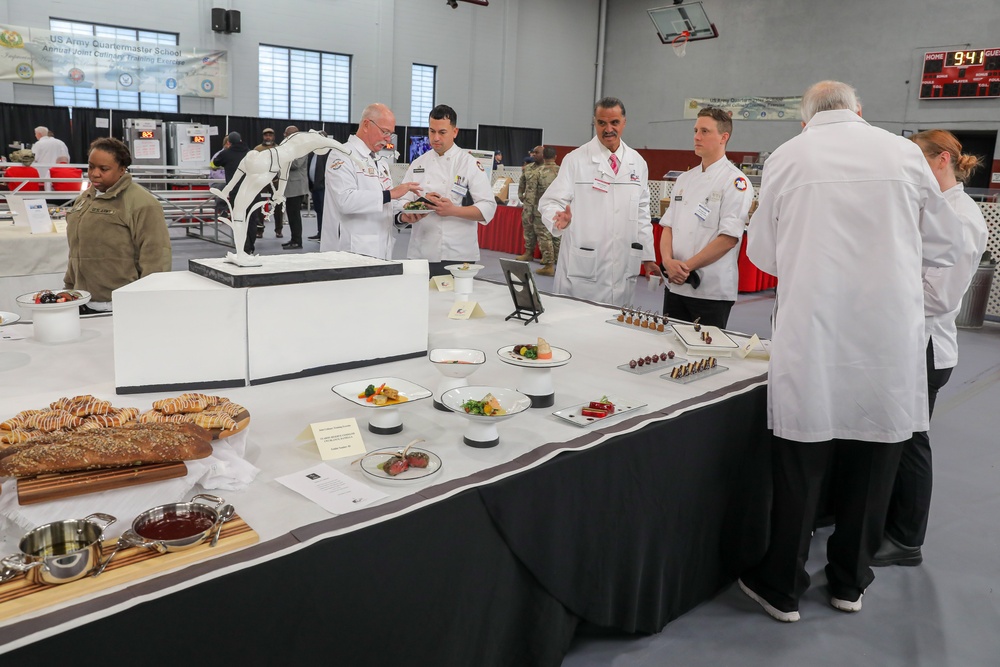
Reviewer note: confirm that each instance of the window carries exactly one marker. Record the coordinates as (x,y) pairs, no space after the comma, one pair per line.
(79,96)
(421,93)
(311,85)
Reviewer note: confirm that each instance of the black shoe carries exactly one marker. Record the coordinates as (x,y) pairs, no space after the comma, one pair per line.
(314,237)
(278,235)
(292,245)
(893,553)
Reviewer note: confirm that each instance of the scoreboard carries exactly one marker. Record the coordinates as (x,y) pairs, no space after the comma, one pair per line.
(961,74)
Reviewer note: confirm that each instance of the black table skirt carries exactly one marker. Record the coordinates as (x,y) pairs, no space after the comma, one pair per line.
(628,534)
(637,531)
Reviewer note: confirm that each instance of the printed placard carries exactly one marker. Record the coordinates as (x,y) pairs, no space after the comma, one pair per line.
(338,438)
(463,310)
(443,283)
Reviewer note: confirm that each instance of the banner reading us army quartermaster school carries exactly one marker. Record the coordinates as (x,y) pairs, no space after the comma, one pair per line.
(33,55)
(748,108)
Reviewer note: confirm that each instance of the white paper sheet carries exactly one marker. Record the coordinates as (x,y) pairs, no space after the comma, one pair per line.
(330,489)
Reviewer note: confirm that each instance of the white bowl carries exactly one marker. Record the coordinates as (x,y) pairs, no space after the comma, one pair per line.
(482,430)
(455,362)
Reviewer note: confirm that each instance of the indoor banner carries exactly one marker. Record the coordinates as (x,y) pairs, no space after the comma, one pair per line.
(748,108)
(43,57)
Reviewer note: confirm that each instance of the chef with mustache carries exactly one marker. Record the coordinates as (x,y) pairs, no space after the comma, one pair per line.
(599,206)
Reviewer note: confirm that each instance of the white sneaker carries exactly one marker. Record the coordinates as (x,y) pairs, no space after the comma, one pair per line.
(775,613)
(846,605)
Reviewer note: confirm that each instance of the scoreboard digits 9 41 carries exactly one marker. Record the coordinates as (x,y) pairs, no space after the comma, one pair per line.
(961,74)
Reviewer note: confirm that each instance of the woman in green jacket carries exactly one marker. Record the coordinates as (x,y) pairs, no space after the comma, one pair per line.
(116,229)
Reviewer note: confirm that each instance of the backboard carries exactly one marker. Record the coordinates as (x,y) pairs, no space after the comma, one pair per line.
(671,22)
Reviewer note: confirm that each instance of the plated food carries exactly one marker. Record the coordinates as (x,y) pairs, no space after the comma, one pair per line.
(489,406)
(398,466)
(8,318)
(416,206)
(372,393)
(593,412)
(534,355)
(382,395)
(63,415)
(62,296)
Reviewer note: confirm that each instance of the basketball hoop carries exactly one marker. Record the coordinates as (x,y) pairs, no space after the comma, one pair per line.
(679,43)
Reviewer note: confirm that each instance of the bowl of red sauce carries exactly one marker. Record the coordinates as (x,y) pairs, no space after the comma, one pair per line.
(178,526)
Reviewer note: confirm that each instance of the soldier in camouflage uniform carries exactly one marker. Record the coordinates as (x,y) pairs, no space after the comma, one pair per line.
(529,201)
(542,178)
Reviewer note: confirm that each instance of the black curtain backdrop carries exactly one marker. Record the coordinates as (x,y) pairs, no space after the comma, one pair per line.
(85,130)
(514,142)
(18,123)
(465,139)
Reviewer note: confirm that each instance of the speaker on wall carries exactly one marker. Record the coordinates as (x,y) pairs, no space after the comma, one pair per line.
(218,19)
(225,20)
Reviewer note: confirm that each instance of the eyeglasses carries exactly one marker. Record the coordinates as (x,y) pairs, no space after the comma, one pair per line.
(385,133)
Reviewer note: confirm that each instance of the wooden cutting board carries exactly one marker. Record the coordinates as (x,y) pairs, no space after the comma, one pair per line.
(31,490)
(19,596)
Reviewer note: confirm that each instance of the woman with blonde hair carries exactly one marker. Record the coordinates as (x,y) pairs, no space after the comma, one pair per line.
(906,523)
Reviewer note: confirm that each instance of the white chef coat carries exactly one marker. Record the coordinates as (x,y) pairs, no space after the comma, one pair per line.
(353,203)
(848,215)
(705,204)
(451,175)
(945,287)
(48,151)
(598,258)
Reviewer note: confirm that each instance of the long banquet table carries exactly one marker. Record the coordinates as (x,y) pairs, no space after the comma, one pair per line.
(627,524)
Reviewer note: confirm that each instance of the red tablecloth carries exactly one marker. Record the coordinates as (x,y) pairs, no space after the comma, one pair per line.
(751,279)
(504,233)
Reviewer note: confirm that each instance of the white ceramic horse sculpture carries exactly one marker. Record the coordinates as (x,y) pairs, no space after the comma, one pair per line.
(256,171)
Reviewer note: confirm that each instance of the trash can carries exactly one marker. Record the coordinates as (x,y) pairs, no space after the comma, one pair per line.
(973,310)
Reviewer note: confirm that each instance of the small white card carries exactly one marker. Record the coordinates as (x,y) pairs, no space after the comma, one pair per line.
(37,212)
(330,489)
(16,205)
(443,283)
(338,438)
(750,345)
(9,334)
(463,310)
(60,225)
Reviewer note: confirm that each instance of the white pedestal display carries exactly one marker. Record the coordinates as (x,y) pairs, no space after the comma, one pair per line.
(178,330)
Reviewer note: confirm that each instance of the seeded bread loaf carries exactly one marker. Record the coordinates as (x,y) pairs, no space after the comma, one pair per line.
(114,447)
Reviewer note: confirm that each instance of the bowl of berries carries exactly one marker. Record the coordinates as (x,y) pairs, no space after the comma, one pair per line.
(56,314)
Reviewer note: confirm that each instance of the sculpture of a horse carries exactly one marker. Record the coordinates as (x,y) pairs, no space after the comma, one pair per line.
(256,171)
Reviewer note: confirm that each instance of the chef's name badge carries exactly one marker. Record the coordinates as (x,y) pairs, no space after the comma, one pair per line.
(459,190)
(601,186)
(418,170)
(702,212)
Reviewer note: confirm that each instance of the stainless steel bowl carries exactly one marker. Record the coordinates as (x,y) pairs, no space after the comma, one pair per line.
(59,552)
(176,526)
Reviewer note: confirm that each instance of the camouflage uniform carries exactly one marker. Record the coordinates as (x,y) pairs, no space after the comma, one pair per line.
(529,203)
(542,179)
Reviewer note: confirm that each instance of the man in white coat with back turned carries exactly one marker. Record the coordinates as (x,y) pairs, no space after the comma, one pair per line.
(848,216)
(599,206)
(357,207)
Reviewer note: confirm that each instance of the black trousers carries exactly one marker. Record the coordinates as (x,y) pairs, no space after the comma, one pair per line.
(862,474)
(712,313)
(294,207)
(318,196)
(911,495)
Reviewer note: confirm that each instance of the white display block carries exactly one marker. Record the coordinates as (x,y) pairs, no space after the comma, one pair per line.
(179,330)
(315,327)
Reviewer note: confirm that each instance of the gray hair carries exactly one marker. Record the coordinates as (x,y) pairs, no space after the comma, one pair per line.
(608,103)
(374,110)
(42,130)
(827,96)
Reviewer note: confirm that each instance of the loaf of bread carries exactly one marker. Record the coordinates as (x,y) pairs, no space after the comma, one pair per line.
(115,447)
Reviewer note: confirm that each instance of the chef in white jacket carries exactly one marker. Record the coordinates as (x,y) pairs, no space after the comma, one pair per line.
(459,193)
(357,211)
(599,206)
(906,523)
(849,214)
